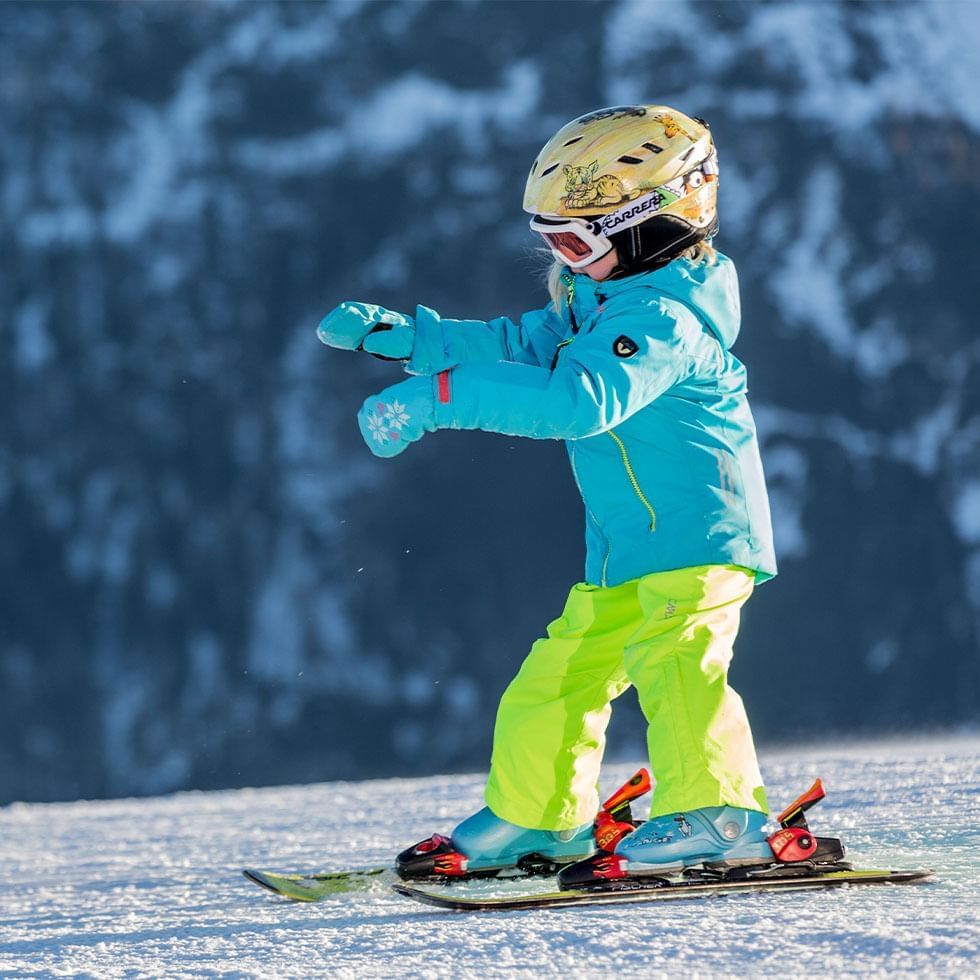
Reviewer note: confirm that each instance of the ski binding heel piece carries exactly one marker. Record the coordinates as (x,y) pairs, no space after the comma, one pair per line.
(793,843)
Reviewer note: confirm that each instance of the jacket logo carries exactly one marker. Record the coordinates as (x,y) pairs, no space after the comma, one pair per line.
(624,347)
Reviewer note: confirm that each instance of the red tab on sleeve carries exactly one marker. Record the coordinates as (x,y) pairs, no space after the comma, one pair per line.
(443,378)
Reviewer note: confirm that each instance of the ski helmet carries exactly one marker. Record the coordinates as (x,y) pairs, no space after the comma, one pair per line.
(640,178)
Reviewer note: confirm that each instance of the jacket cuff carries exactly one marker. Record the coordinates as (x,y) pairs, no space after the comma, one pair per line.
(429,350)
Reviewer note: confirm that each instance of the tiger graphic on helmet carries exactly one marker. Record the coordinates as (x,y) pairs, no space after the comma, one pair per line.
(586,190)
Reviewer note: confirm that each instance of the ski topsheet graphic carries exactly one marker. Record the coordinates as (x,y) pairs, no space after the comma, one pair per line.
(657,890)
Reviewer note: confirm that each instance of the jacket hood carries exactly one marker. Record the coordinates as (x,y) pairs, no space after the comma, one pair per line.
(709,291)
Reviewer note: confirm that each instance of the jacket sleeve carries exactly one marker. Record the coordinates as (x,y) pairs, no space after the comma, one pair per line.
(441,343)
(624,363)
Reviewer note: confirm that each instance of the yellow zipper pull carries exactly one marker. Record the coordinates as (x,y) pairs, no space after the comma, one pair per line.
(569,280)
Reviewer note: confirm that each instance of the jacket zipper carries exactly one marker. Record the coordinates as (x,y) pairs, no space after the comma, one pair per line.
(569,282)
(605,538)
(636,484)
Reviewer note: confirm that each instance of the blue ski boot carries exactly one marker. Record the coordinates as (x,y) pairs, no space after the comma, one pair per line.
(486,846)
(491,842)
(728,836)
(715,836)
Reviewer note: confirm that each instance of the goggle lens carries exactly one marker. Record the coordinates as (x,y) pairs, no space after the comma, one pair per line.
(568,243)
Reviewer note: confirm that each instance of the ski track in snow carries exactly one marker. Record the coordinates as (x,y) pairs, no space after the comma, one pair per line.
(152,887)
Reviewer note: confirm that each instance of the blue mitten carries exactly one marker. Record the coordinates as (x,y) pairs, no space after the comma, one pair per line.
(364,326)
(399,416)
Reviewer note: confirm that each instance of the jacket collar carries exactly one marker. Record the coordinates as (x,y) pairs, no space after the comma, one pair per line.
(664,276)
(588,295)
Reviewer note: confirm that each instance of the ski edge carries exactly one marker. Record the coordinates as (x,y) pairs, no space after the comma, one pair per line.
(860,876)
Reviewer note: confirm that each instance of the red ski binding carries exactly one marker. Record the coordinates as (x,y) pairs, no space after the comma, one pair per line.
(794,843)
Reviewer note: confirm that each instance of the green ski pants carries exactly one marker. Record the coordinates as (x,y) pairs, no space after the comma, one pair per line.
(669,634)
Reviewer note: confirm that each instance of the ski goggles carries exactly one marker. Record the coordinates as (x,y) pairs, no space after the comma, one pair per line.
(576,242)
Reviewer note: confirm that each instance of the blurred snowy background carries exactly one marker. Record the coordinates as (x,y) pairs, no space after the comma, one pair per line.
(205,578)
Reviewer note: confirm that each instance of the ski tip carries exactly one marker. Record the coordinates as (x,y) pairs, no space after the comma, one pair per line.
(443,902)
(404,889)
(419,894)
(257,878)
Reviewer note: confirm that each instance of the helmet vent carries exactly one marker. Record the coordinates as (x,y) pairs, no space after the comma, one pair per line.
(554,166)
(653,148)
(629,159)
(574,139)
(534,166)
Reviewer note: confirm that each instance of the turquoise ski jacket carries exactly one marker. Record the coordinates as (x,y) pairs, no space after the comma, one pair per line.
(637,376)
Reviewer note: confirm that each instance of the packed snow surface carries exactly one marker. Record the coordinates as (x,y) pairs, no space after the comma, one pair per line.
(152,887)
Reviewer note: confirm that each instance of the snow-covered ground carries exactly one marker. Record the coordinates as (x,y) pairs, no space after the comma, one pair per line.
(152,887)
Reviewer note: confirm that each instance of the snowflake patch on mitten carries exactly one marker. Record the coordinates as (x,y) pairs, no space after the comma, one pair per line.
(386,421)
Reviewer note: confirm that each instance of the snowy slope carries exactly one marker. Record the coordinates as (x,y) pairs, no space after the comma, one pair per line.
(151,887)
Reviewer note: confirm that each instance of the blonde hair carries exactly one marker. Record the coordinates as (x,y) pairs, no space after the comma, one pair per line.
(701,253)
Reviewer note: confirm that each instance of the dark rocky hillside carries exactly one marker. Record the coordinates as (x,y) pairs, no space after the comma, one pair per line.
(206,578)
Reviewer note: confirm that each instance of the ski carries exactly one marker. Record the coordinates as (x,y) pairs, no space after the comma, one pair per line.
(659,889)
(315,887)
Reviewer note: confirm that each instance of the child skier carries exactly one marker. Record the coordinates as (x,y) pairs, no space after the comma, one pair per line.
(630,364)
